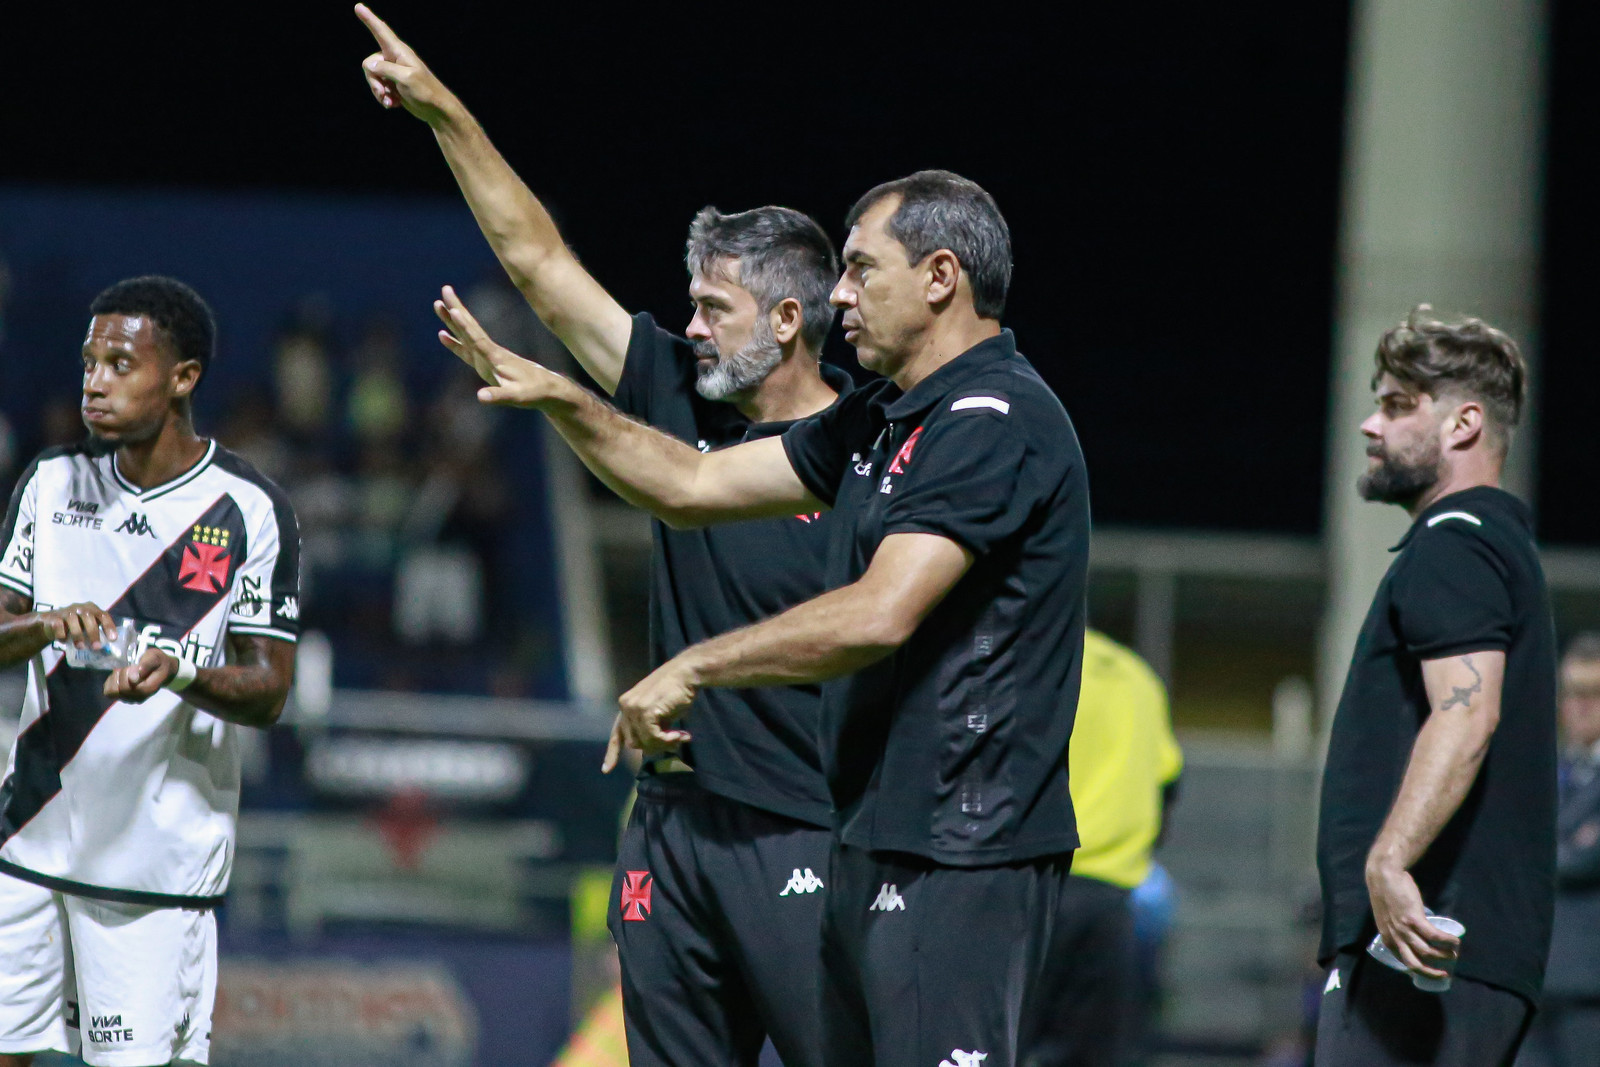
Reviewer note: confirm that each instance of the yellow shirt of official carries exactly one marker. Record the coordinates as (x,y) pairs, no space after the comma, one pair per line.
(1122,754)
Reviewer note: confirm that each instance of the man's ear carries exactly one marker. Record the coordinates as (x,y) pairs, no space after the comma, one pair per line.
(943,272)
(1467,426)
(786,320)
(185,376)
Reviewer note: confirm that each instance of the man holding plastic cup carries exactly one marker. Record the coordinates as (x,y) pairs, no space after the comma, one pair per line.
(1436,848)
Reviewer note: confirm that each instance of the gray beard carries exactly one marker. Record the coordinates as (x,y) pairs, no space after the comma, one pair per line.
(741,372)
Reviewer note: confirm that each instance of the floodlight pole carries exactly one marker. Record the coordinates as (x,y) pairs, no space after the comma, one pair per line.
(1441,197)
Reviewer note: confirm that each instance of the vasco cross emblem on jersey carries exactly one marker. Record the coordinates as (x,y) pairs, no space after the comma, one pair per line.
(636,886)
(205,561)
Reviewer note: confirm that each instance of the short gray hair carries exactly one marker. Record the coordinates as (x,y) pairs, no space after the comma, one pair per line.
(940,209)
(782,254)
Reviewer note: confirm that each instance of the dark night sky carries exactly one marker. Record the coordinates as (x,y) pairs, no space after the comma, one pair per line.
(1569,374)
(1170,173)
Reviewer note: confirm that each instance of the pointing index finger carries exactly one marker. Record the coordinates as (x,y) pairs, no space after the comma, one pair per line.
(394,49)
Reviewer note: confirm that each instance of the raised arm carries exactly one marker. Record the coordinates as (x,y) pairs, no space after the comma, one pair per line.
(593,326)
(1464,693)
(649,469)
(839,632)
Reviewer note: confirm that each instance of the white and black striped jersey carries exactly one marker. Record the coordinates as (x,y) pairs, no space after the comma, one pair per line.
(137,802)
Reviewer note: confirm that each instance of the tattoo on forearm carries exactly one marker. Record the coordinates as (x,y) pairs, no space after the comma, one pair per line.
(1462,697)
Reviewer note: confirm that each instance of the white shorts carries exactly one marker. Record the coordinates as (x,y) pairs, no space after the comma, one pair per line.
(118,984)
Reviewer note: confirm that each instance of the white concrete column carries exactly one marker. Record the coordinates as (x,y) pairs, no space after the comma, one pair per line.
(1155,618)
(1442,183)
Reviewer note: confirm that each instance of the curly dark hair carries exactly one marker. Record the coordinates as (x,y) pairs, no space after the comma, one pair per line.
(183,317)
(1468,358)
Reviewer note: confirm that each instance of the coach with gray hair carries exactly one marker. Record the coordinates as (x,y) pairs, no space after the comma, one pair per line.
(951,641)
(1439,795)
(716,904)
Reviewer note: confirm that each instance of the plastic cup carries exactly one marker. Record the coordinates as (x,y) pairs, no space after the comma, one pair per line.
(1427,983)
(117,651)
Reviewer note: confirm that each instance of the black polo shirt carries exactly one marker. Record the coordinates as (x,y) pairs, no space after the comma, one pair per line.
(1467,579)
(954,747)
(756,746)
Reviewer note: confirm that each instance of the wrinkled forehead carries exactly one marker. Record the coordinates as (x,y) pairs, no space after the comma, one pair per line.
(870,235)
(719,280)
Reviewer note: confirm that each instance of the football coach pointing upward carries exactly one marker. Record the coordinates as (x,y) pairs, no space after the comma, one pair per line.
(958,560)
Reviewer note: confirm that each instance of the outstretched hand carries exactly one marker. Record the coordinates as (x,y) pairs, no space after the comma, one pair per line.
(397,76)
(512,380)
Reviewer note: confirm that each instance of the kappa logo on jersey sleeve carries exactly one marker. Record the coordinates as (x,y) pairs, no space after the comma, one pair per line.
(205,560)
(636,886)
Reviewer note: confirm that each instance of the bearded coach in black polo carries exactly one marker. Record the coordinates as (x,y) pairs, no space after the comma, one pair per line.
(952,639)
(1440,786)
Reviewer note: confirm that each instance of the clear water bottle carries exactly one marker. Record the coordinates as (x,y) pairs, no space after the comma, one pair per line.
(118,651)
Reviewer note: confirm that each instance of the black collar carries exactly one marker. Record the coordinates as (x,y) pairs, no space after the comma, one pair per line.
(1463,499)
(944,381)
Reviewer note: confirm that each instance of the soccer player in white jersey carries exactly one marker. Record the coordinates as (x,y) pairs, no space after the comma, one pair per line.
(118,804)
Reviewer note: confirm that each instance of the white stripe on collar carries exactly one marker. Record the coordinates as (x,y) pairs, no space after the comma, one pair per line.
(1443,515)
(992,402)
